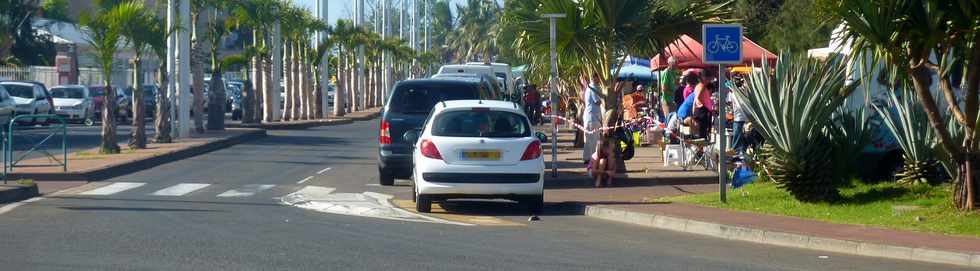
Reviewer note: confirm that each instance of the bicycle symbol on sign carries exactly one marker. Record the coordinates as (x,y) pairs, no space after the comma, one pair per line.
(722,43)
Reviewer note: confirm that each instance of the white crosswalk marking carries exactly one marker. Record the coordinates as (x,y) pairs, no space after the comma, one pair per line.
(245,191)
(180,189)
(112,189)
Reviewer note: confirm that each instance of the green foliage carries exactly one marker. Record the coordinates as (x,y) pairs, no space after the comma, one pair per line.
(860,203)
(797,26)
(795,109)
(20,43)
(908,123)
(55,9)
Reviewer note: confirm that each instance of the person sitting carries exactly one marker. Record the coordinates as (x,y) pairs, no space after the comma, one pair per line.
(603,161)
(685,113)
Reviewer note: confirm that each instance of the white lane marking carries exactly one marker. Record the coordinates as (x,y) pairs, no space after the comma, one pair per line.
(304,180)
(69,191)
(323,170)
(246,191)
(180,189)
(371,184)
(112,189)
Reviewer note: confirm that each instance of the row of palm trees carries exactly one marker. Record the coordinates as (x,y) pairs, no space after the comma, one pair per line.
(136,26)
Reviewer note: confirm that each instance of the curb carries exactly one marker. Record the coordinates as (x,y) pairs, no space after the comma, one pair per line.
(784,239)
(369,116)
(299,125)
(18,193)
(137,165)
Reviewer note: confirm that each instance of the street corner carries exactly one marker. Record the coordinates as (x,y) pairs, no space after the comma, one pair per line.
(470,212)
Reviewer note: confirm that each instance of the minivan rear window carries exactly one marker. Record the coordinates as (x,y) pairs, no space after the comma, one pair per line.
(419,99)
(481,123)
(20,91)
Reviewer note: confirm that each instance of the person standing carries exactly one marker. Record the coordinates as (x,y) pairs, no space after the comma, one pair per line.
(532,103)
(592,117)
(668,84)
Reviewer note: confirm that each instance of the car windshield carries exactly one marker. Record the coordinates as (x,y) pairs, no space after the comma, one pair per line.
(70,93)
(419,99)
(481,123)
(21,91)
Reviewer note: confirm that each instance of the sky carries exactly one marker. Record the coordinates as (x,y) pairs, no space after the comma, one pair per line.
(343,8)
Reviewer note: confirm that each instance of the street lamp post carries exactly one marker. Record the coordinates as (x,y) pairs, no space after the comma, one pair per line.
(553,87)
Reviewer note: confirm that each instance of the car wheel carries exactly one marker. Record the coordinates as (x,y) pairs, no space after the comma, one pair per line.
(535,204)
(385,178)
(423,204)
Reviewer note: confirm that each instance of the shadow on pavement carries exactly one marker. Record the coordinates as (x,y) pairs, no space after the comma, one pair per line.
(135,209)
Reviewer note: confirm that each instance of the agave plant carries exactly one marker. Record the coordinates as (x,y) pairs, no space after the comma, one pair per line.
(910,126)
(795,108)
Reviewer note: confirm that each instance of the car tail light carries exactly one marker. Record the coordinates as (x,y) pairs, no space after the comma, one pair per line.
(385,137)
(428,149)
(532,152)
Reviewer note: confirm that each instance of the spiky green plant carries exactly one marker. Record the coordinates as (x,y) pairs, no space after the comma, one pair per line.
(794,108)
(910,126)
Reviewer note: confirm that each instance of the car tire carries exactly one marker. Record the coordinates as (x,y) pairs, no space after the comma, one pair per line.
(385,178)
(423,204)
(535,204)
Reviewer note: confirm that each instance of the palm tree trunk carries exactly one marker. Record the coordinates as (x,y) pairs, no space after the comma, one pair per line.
(259,89)
(287,111)
(271,91)
(109,145)
(138,136)
(339,95)
(197,69)
(163,107)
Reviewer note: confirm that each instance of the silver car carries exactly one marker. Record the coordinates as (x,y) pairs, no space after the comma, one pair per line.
(74,103)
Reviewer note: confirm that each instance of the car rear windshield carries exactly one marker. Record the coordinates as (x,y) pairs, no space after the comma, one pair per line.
(419,98)
(21,91)
(481,123)
(97,91)
(70,93)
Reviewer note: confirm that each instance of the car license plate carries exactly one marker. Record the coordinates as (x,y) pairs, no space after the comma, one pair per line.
(481,155)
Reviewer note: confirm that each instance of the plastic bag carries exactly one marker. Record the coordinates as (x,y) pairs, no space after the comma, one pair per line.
(743,175)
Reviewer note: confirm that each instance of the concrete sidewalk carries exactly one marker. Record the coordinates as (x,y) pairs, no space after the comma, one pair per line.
(632,200)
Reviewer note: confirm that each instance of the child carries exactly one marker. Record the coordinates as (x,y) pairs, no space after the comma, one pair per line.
(603,164)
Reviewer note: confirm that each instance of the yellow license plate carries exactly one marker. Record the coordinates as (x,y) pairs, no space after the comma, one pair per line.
(481,155)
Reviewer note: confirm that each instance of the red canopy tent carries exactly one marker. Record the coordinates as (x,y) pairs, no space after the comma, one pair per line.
(688,53)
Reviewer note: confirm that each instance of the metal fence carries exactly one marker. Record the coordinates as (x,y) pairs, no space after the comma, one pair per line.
(48,75)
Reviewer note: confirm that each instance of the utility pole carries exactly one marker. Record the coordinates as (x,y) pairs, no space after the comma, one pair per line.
(428,23)
(412,39)
(184,69)
(322,6)
(387,65)
(553,89)
(359,22)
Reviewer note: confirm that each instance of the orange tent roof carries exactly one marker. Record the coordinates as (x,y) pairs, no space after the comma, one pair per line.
(688,53)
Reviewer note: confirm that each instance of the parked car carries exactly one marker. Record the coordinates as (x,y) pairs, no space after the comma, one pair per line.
(477,149)
(30,98)
(7,107)
(149,100)
(74,103)
(409,106)
(98,98)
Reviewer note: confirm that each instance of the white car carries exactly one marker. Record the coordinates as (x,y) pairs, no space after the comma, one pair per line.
(477,149)
(74,103)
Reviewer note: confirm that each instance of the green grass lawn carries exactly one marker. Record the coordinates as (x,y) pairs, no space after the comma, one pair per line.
(861,204)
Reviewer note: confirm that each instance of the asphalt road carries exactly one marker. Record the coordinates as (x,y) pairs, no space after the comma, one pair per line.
(228,216)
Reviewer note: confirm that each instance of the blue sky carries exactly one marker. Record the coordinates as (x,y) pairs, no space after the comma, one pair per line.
(343,8)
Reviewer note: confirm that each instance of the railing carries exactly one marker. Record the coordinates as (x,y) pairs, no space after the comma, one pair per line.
(10,162)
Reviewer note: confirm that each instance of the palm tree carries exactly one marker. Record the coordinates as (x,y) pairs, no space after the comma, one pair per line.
(596,33)
(198,56)
(475,37)
(158,42)
(134,28)
(218,28)
(259,16)
(918,39)
(104,34)
(344,35)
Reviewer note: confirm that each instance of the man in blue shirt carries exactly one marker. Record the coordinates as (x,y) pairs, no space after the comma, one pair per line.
(592,117)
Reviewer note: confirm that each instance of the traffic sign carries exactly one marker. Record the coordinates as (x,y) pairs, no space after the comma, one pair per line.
(722,43)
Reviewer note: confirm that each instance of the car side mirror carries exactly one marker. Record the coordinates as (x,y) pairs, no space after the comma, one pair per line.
(412,135)
(541,136)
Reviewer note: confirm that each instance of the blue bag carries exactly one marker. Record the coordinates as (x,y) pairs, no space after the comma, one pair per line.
(743,175)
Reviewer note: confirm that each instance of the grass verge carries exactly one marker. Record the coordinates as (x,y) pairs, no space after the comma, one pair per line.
(865,204)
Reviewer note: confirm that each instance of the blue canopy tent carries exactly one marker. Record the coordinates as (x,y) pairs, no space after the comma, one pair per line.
(637,73)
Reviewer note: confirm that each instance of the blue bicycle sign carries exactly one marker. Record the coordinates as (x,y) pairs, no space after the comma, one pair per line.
(722,43)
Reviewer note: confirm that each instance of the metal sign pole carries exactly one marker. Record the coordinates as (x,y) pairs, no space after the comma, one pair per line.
(553,89)
(722,166)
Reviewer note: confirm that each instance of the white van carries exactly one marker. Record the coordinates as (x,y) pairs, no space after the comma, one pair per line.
(502,71)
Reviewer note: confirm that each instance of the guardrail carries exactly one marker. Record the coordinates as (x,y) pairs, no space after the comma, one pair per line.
(10,162)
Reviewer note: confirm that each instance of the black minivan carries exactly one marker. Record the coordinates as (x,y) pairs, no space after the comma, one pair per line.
(408,107)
